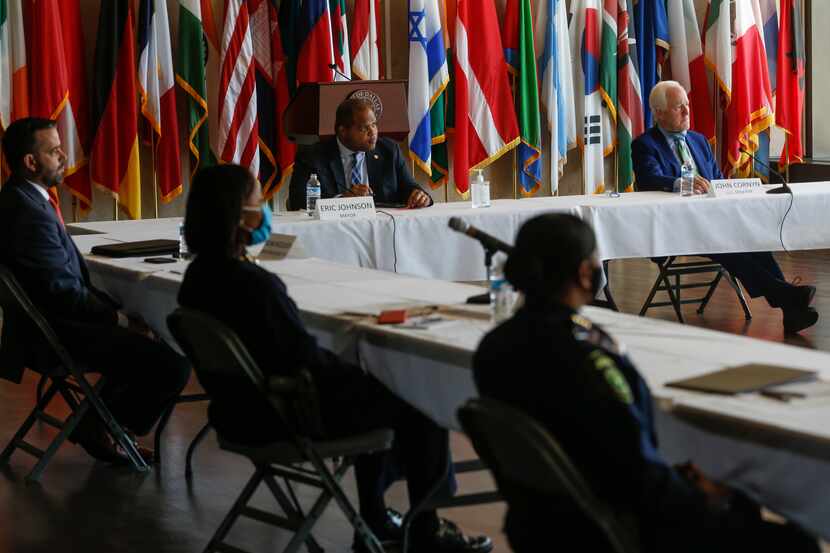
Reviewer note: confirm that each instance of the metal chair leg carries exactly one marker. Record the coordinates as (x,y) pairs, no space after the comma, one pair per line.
(710,292)
(238,506)
(191,449)
(741,297)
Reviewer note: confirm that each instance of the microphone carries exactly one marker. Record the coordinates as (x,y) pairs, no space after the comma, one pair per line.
(490,243)
(783,189)
(333,67)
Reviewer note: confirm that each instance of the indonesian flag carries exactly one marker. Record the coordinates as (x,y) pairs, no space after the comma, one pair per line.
(238,133)
(750,109)
(157,80)
(57,83)
(485,121)
(791,75)
(14,94)
(688,66)
(586,21)
(340,38)
(316,51)
(114,162)
(365,40)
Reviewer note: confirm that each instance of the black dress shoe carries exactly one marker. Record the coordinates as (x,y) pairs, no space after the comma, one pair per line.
(388,533)
(796,320)
(103,448)
(448,538)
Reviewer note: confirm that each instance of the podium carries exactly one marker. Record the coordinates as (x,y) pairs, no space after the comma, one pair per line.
(309,117)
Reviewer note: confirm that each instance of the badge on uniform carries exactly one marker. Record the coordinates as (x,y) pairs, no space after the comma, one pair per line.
(615,379)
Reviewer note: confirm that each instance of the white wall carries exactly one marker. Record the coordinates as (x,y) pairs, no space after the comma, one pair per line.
(821,80)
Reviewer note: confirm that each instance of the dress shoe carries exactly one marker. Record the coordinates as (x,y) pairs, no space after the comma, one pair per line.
(802,296)
(796,320)
(389,532)
(102,447)
(448,538)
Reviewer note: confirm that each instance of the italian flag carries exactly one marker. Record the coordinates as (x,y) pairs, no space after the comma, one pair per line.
(14,96)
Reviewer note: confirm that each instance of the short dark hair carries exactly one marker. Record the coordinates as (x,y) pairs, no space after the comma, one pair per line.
(347,110)
(214,207)
(548,252)
(19,139)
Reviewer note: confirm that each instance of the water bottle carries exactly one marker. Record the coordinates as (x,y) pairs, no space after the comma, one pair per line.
(501,293)
(312,194)
(480,191)
(184,253)
(687,179)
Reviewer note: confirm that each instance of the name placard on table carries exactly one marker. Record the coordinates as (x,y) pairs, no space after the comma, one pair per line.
(332,209)
(720,188)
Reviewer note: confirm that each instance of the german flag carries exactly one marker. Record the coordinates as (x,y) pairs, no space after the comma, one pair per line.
(114,164)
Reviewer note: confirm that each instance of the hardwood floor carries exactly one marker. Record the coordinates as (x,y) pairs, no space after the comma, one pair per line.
(88,507)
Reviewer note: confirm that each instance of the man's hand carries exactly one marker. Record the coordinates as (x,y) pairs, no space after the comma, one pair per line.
(701,185)
(417,199)
(717,494)
(137,324)
(359,190)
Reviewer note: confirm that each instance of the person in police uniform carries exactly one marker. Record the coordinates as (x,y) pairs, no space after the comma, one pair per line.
(575,379)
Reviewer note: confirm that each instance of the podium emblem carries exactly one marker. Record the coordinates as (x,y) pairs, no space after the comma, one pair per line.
(372,98)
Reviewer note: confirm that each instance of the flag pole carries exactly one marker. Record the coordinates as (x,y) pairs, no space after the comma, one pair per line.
(74,209)
(115,208)
(155,176)
(387,38)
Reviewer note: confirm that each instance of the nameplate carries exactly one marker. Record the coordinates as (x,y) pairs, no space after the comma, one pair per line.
(280,246)
(720,188)
(332,209)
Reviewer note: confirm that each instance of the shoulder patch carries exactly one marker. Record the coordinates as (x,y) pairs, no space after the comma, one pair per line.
(615,379)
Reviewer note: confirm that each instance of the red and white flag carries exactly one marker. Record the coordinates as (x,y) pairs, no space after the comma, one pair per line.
(156,81)
(238,133)
(365,40)
(790,82)
(485,120)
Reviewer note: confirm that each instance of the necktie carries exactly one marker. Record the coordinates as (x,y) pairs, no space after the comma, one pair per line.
(355,176)
(684,154)
(54,203)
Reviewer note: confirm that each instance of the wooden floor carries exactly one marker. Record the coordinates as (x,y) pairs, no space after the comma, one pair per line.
(88,507)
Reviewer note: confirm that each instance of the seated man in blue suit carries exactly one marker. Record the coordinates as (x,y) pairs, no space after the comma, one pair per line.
(356,163)
(143,374)
(657,156)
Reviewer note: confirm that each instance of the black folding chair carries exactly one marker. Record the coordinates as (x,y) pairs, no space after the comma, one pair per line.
(63,377)
(298,459)
(670,268)
(524,458)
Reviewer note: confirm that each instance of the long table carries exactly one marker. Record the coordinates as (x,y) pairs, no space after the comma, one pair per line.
(637,224)
(777,452)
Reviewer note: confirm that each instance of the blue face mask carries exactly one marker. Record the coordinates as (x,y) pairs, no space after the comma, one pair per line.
(263,231)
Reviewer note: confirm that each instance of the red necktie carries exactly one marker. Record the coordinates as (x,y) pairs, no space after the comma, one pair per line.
(54,203)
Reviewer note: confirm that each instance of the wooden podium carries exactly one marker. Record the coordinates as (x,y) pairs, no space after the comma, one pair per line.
(309,117)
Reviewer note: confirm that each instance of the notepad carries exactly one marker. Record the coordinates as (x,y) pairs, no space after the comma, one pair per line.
(141,248)
(743,379)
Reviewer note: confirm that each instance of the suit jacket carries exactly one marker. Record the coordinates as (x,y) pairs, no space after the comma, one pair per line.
(389,178)
(656,167)
(43,258)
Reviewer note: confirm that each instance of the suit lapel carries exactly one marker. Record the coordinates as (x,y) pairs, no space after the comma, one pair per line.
(374,169)
(668,151)
(336,167)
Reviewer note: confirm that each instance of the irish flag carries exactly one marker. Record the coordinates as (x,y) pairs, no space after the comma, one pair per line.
(14,96)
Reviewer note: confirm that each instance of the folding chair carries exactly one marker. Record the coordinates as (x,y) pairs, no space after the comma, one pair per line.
(524,457)
(299,458)
(670,269)
(64,378)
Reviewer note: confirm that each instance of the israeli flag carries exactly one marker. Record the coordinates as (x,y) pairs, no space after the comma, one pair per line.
(428,76)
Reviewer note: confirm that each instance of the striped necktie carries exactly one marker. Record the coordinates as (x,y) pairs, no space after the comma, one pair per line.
(355,176)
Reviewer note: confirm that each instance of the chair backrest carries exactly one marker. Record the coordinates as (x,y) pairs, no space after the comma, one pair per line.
(215,349)
(524,456)
(19,310)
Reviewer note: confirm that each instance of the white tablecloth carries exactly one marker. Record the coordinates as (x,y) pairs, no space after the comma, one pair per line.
(639,224)
(778,452)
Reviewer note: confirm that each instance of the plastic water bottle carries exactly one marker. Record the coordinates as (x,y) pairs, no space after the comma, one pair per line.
(184,253)
(480,191)
(312,194)
(501,293)
(687,179)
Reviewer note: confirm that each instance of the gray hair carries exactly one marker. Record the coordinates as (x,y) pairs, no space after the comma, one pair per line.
(657,97)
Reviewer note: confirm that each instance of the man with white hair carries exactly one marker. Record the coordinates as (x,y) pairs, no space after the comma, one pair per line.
(658,155)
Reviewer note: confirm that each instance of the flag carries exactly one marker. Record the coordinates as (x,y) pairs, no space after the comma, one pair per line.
(289,20)
(315,51)
(340,38)
(57,84)
(485,123)
(520,54)
(652,31)
(114,163)
(585,45)
(556,83)
(157,84)
(750,107)
(14,95)
(365,40)
(191,61)
(630,120)
(276,151)
(238,134)
(688,66)
(428,77)
(790,81)
(718,46)
(768,13)
(608,74)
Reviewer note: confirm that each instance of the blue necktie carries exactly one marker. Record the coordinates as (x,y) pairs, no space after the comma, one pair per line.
(355,176)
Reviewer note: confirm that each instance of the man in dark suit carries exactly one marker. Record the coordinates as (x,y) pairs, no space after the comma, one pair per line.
(356,163)
(658,155)
(144,375)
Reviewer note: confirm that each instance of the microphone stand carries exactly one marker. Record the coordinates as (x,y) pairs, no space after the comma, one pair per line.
(333,67)
(484,299)
(784,188)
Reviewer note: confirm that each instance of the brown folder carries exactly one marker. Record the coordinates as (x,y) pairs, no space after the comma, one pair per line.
(752,377)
